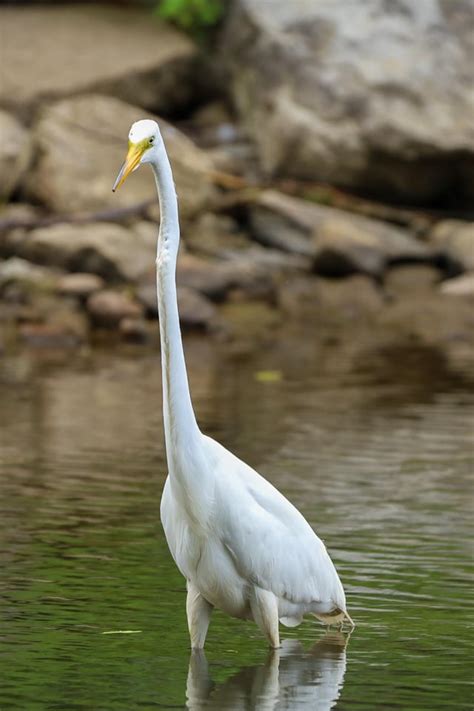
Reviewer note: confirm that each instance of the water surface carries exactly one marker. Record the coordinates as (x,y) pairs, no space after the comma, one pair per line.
(373,445)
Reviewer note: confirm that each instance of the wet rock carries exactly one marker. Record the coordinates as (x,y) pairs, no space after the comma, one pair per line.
(15,153)
(339,242)
(432,318)
(195,311)
(107,308)
(374,95)
(459,286)
(331,301)
(109,250)
(118,50)
(62,328)
(213,279)
(215,236)
(81,143)
(134,330)
(17,213)
(455,240)
(146,295)
(21,272)
(216,279)
(80,285)
(345,243)
(273,229)
(412,281)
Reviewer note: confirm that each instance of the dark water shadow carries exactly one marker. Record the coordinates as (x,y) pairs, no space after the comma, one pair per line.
(291,678)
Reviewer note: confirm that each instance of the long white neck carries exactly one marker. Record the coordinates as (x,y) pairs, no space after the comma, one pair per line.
(181,430)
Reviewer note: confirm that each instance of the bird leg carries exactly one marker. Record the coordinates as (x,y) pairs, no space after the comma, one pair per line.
(198,611)
(264,606)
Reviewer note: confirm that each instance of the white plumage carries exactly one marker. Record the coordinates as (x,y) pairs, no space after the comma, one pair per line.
(241,545)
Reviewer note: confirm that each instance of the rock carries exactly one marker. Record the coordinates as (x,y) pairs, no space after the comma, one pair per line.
(459,286)
(81,143)
(455,240)
(80,285)
(195,311)
(15,153)
(411,281)
(18,212)
(338,242)
(215,236)
(109,250)
(146,295)
(210,278)
(62,328)
(21,272)
(216,279)
(345,243)
(273,229)
(375,95)
(116,50)
(107,308)
(134,330)
(331,301)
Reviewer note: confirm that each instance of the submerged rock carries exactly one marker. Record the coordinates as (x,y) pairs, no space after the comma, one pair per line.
(15,153)
(374,95)
(81,143)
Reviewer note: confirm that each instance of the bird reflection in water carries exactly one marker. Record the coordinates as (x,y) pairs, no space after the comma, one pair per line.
(291,679)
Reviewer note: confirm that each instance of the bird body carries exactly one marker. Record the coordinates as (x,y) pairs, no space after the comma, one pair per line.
(241,545)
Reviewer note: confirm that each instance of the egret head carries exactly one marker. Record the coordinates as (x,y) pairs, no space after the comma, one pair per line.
(144,146)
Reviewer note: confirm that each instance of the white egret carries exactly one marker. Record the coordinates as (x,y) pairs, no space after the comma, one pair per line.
(241,545)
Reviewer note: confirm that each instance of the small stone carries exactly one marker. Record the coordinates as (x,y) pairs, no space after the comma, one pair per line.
(146,295)
(107,308)
(79,285)
(134,330)
(195,311)
(213,279)
(215,236)
(455,240)
(63,328)
(21,272)
(459,286)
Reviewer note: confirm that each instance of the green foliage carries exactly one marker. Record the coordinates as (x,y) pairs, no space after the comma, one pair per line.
(194,16)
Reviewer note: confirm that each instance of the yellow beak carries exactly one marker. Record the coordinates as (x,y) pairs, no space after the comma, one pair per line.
(135,152)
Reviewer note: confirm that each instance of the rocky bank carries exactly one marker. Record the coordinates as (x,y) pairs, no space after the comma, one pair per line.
(304,101)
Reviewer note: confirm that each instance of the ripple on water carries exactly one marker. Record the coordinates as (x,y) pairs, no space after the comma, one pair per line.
(381,472)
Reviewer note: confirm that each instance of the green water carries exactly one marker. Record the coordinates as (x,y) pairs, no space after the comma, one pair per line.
(375,448)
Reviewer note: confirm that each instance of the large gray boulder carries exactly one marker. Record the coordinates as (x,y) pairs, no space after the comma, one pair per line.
(81,143)
(56,51)
(373,95)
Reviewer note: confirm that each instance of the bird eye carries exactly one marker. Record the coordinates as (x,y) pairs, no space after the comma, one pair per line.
(152,138)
